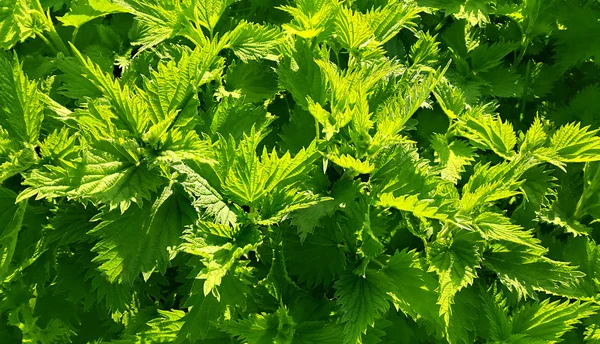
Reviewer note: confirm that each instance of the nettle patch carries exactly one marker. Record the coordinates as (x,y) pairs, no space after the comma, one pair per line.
(309,171)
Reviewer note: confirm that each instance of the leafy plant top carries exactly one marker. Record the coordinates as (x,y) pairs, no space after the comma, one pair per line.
(299,171)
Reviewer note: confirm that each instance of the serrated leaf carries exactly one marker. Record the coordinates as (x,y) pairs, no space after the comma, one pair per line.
(452,157)
(388,20)
(573,143)
(323,249)
(138,241)
(352,164)
(278,327)
(455,260)
(352,29)
(250,41)
(411,203)
(523,270)
(208,13)
(17,22)
(205,197)
(249,178)
(129,108)
(109,172)
(491,132)
(414,292)
(21,113)
(312,18)
(11,220)
(548,321)
(362,300)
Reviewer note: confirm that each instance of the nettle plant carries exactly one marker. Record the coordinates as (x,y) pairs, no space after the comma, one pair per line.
(309,171)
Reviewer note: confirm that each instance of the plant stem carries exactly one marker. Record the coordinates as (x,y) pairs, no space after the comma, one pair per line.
(525,88)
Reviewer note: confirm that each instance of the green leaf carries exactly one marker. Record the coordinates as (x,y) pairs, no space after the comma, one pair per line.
(163,329)
(497,314)
(139,240)
(392,115)
(249,178)
(160,19)
(452,157)
(494,226)
(278,327)
(451,99)
(322,249)
(129,108)
(311,18)
(255,81)
(425,51)
(572,143)
(547,321)
(110,172)
(414,293)
(387,21)
(411,203)
(17,22)
(524,270)
(16,162)
(353,30)
(208,13)
(83,11)
(21,113)
(301,76)
(236,117)
(455,260)
(347,162)
(219,256)
(490,132)
(362,300)
(485,57)
(171,86)
(176,147)
(205,198)
(11,220)
(580,41)
(250,41)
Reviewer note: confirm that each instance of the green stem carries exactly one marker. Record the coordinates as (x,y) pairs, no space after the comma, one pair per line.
(521,54)
(48,43)
(196,37)
(74,36)
(317,132)
(378,263)
(57,41)
(525,88)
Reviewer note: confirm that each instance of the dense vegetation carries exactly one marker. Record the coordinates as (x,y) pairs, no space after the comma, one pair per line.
(306,172)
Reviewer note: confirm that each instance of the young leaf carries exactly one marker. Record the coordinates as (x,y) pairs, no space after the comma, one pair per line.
(490,132)
(455,260)
(452,157)
(572,143)
(250,41)
(205,197)
(84,11)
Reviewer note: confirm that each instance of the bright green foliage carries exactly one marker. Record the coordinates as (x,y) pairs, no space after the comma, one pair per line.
(22,111)
(139,239)
(83,11)
(455,260)
(299,171)
(362,299)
